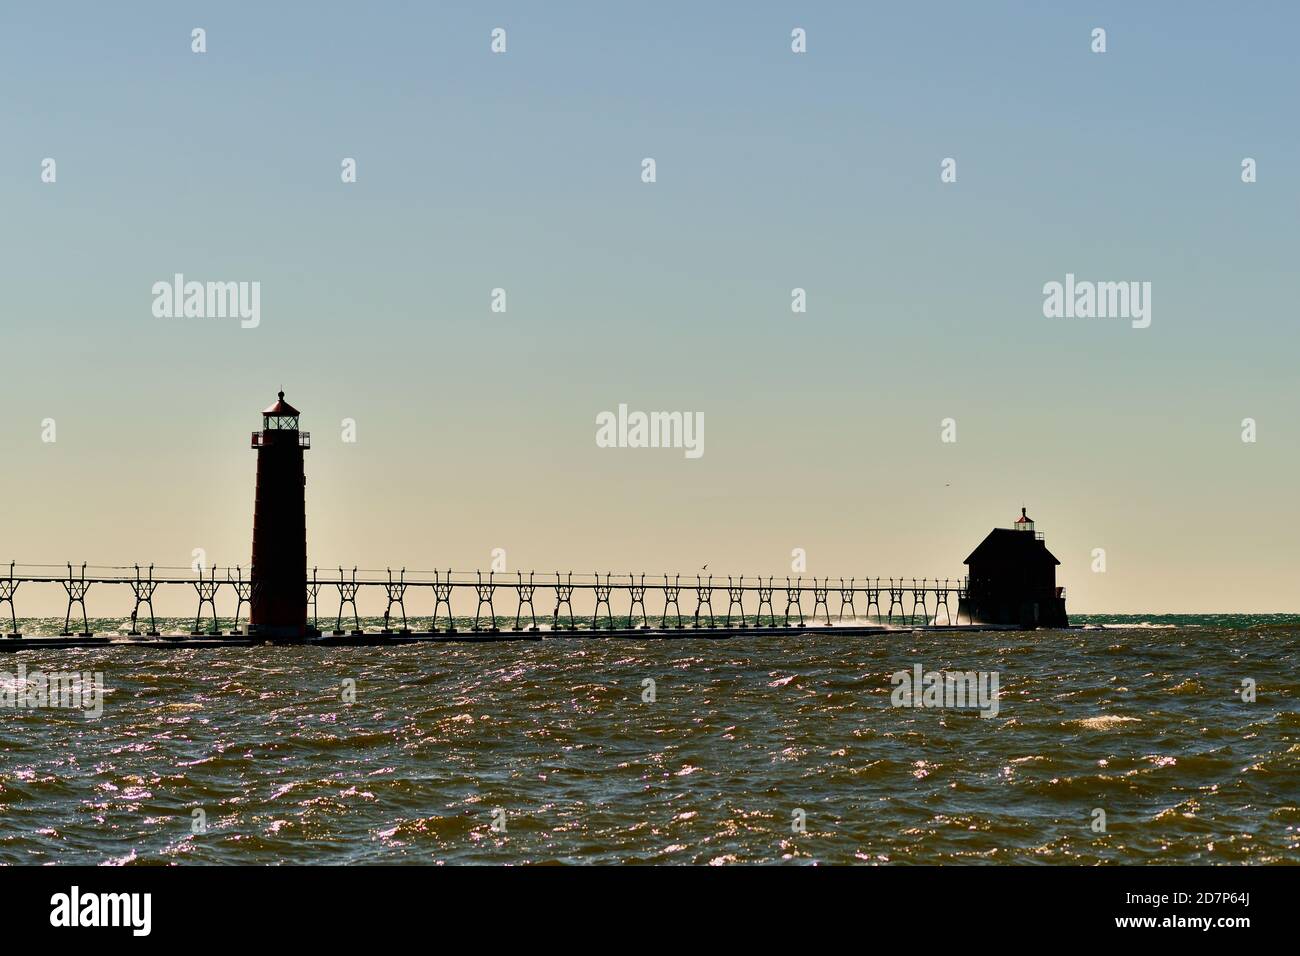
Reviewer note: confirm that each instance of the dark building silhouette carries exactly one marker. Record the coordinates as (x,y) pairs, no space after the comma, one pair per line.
(1012,579)
(278,608)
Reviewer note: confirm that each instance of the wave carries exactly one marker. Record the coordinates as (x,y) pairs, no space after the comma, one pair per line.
(1103,722)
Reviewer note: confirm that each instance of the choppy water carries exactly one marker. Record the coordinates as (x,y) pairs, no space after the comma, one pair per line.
(1142,720)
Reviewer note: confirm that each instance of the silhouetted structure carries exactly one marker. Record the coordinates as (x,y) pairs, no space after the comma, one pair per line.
(278,605)
(1012,580)
(1011,583)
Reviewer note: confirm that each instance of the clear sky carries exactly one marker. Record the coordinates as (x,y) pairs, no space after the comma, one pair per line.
(775,170)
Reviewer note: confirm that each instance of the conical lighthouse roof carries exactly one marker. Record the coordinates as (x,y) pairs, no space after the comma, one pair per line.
(281,409)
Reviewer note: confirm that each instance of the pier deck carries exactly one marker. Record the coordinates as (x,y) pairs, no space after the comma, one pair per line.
(12,644)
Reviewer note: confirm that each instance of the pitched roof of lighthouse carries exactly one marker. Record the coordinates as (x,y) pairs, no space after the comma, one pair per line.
(281,409)
(1008,546)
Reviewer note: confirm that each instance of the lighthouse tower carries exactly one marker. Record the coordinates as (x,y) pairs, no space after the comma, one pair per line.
(279,574)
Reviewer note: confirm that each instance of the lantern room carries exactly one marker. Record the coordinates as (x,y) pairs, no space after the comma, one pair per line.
(280,417)
(1024,522)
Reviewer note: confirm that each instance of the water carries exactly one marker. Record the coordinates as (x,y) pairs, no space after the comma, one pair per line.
(1140,717)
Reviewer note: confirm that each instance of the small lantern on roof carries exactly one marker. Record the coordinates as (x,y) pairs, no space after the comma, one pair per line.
(1024,522)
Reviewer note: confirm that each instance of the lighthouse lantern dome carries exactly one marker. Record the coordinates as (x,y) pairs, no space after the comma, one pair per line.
(280,417)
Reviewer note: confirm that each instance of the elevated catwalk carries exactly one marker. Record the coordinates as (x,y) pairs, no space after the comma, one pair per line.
(897,602)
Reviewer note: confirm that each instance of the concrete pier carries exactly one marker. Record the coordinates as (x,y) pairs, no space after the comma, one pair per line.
(173,642)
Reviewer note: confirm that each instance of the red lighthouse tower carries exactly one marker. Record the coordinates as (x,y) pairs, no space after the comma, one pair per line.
(279,574)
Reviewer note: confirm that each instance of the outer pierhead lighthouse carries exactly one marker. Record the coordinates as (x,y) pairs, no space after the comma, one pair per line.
(1013,579)
(279,572)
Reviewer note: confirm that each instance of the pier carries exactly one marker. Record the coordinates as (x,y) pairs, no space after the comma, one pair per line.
(505,606)
(1011,584)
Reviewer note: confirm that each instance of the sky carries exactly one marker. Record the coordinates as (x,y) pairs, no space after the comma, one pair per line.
(774,170)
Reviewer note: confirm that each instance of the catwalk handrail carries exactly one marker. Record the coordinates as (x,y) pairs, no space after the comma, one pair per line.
(208,583)
(127,574)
